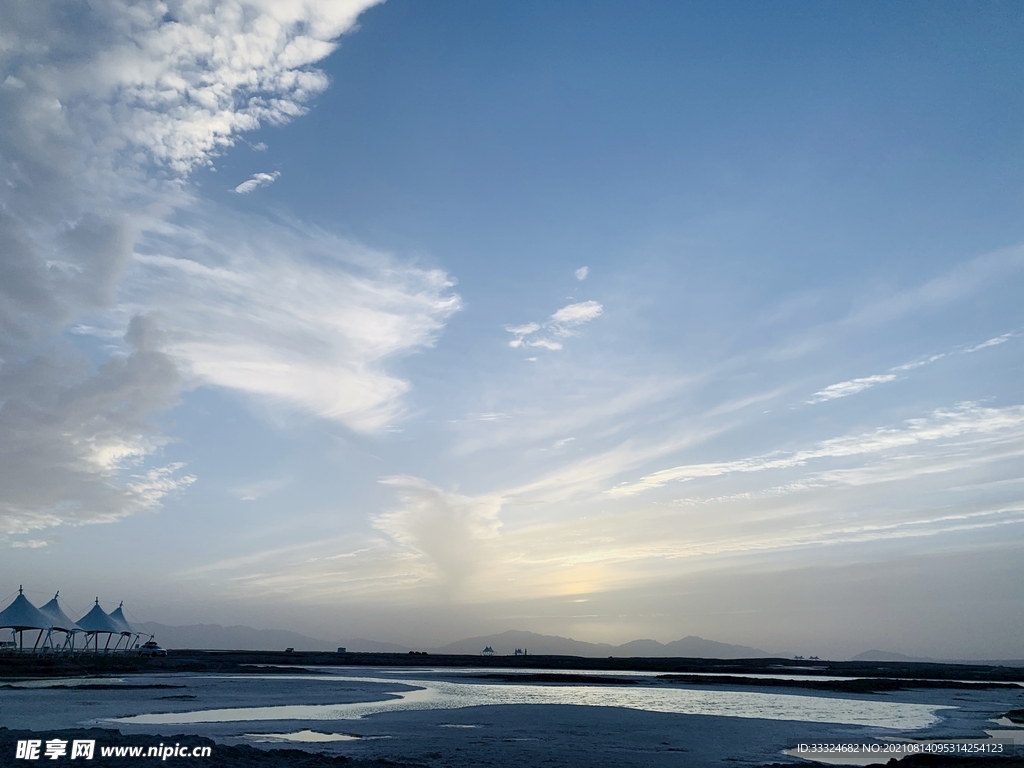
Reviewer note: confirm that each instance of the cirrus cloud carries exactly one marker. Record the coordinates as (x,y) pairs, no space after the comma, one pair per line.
(942,424)
(294,316)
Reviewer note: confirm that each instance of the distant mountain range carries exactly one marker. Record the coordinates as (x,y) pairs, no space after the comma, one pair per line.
(216,637)
(506,643)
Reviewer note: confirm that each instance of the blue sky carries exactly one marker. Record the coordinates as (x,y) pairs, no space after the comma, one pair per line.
(618,320)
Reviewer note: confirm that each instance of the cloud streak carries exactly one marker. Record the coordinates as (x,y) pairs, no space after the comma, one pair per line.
(968,418)
(994,342)
(852,387)
(561,325)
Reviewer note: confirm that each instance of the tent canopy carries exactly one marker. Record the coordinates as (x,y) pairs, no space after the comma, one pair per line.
(21,614)
(97,620)
(117,616)
(58,619)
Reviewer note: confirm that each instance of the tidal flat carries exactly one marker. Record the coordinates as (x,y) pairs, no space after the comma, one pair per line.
(459,716)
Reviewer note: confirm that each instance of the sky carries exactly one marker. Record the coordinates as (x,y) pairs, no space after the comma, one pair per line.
(615,320)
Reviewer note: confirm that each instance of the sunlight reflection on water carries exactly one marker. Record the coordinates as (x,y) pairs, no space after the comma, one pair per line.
(442,695)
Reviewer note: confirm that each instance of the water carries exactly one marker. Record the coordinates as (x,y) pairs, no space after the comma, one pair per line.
(447,695)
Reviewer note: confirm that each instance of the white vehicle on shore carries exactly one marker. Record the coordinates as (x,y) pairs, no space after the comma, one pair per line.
(151,648)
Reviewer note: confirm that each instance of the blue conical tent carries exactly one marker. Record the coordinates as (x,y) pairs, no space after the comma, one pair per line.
(58,619)
(21,614)
(117,616)
(97,620)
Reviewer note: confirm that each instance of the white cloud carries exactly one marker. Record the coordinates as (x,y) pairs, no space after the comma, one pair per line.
(577,314)
(554,346)
(646,553)
(304,319)
(851,387)
(561,325)
(258,180)
(104,112)
(966,419)
(449,530)
(582,272)
(520,332)
(68,437)
(586,477)
(555,543)
(918,363)
(492,416)
(178,80)
(990,343)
